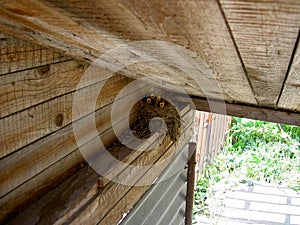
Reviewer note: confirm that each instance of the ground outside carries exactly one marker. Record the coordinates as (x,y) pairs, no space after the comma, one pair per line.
(258,204)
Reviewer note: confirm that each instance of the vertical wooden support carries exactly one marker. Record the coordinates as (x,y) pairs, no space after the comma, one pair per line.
(190,183)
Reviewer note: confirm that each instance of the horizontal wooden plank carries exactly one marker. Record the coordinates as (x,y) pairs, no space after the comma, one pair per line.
(29,161)
(69,211)
(153,198)
(249,111)
(142,160)
(67,192)
(27,126)
(33,189)
(290,97)
(265,33)
(17,55)
(136,192)
(99,207)
(186,117)
(15,201)
(21,90)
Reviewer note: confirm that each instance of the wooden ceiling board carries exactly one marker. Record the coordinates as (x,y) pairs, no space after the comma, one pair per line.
(265,33)
(89,29)
(290,97)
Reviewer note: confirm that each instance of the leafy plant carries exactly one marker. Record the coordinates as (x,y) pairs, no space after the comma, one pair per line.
(253,151)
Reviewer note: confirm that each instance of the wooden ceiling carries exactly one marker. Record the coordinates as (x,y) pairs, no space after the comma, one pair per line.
(250,45)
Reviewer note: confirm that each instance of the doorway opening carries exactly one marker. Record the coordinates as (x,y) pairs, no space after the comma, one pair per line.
(254,178)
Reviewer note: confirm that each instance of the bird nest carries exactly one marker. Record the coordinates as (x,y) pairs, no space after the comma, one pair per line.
(151,111)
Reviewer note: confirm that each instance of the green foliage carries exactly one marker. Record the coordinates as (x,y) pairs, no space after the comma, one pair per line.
(254,151)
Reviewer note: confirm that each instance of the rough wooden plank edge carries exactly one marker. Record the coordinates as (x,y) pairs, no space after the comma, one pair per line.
(135,193)
(25,127)
(152,197)
(19,55)
(16,163)
(96,206)
(95,184)
(185,116)
(27,88)
(18,199)
(293,57)
(88,214)
(250,111)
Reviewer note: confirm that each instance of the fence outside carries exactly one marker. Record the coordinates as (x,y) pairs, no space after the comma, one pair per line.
(209,134)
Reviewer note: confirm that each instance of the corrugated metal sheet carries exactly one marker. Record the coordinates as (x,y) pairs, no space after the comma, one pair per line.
(164,203)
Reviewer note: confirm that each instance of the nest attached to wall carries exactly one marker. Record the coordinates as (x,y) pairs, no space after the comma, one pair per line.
(153,107)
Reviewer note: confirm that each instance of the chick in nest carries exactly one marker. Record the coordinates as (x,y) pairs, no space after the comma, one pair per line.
(160,102)
(151,100)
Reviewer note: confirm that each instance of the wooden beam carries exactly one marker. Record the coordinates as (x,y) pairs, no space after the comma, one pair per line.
(196,25)
(290,97)
(89,29)
(17,55)
(250,111)
(190,183)
(100,204)
(265,33)
(43,23)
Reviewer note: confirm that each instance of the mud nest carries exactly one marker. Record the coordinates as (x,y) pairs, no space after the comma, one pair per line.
(153,108)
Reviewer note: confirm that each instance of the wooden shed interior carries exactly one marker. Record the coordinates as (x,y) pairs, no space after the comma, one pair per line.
(243,55)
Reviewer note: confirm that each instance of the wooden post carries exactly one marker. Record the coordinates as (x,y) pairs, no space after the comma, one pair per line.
(190,183)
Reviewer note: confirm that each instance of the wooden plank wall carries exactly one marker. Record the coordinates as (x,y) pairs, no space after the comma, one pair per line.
(37,145)
(87,198)
(210,129)
(164,202)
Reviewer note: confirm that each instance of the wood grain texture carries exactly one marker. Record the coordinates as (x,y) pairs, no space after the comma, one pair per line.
(132,197)
(251,112)
(41,22)
(90,29)
(21,90)
(33,189)
(29,125)
(17,55)
(19,198)
(94,212)
(196,25)
(265,33)
(26,163)
(86,182)
(154,197)
(290,97)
